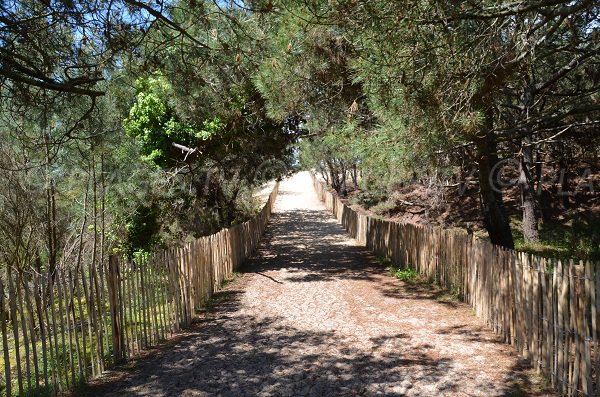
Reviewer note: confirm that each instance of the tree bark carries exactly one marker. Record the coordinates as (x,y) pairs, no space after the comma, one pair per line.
(335,180)
(526,185)
(326,175)
(494,214)
(51,232)
(343,188)
(528,199)
(354,174)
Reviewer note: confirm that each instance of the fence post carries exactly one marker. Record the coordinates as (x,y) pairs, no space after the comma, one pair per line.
(3,326)
(113,293)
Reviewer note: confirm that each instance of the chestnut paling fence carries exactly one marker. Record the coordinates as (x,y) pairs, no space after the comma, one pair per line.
(61,330)
(547,308)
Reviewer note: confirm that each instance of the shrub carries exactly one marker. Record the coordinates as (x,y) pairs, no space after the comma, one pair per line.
(384,207)
(405,275)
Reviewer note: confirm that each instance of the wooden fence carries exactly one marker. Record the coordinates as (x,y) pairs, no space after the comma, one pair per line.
(59,331)
(548,309)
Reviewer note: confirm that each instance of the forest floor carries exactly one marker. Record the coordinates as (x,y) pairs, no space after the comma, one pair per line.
(569,226)
(313,314)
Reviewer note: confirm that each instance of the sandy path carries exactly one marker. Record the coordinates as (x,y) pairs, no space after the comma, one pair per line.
(313,314)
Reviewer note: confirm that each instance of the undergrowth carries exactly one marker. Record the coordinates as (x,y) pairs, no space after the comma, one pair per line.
(415,279)
(578,238)
(406,275)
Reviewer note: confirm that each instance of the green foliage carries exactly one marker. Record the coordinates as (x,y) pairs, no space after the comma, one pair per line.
(406,92)
(367,198)
(156,124)
(405,274)
(140,256)
(388,91)
(142,229)
(305,71)
(579,239)
(384,207)
(384,261)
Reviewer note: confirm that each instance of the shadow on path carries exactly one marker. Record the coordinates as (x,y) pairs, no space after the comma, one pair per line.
(315,315)
(255,356)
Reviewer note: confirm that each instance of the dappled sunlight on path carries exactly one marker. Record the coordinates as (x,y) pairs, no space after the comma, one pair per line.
(314,314)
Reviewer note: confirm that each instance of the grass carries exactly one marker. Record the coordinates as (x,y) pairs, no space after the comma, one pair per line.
(59,358)
(56,363)
(383,208)
(218,298)
(406,275)
(530,383)
(577,239)
(367,199)
(411,276)
(449,295)
(59,365)
(234,276)
(383,261)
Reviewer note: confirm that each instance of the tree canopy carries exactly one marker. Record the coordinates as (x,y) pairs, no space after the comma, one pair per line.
(130,124)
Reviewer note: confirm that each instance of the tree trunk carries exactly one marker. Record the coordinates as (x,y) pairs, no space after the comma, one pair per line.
(102,210)
(335,180)
(355,176)
(495,219)
(325,174)
(343,188)
(231,204)
(51,232)
(94,209)
(528,199)
(563,190)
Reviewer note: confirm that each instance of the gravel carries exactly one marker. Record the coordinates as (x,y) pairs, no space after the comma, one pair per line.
(316,315)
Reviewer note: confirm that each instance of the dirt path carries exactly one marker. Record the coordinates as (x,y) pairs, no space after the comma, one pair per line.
(313,314)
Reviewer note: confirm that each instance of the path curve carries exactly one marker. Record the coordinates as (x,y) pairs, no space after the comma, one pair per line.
(315,315)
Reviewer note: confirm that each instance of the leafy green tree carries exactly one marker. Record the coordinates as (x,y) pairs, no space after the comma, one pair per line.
(306,74)
(203,119)
(457,74)
(157,126)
